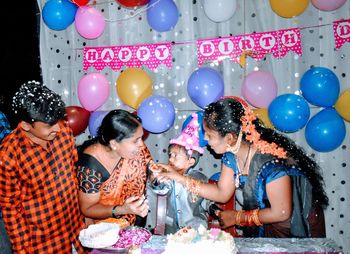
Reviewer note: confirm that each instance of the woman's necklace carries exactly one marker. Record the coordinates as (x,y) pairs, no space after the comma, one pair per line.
(245,167)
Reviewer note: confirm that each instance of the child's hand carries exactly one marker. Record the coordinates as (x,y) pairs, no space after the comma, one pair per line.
(167,173)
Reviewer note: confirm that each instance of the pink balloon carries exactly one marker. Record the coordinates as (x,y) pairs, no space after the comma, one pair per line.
(89,22)
(328,5)
(93,91)
(259,88)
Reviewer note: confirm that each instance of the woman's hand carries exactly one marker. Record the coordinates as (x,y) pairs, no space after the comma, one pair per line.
(168,173)
(227,218)
(136,205)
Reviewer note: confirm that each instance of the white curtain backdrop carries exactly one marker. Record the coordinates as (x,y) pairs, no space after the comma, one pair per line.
(62,68)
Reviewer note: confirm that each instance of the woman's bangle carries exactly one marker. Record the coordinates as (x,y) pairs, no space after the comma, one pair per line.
(114,209)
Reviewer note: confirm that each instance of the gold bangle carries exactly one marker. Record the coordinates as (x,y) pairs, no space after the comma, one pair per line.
(255,217)
(193,186)
(238,218)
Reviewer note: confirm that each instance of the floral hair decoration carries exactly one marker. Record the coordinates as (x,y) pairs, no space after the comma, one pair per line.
(253,136)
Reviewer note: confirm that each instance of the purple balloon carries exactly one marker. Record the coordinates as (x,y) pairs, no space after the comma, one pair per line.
(95,121)
(89,22)
(93,90)
(162,15)
(259,88)
(157,113)
(205,86)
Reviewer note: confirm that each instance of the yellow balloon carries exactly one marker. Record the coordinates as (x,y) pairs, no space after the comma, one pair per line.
(263,115)
(133,86)
(289,8)
(342,106)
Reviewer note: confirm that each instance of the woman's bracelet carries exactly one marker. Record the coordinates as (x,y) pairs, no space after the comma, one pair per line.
(250,218)
(114,210)
(193,186)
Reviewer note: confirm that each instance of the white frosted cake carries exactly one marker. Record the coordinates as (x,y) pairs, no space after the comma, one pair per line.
(190,241)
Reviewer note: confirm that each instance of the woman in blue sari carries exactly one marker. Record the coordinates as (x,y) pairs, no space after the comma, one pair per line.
(281,186)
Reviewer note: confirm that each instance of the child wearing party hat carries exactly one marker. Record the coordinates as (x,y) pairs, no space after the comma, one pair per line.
(181,208)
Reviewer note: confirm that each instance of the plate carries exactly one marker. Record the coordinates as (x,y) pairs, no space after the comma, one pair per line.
(114,250)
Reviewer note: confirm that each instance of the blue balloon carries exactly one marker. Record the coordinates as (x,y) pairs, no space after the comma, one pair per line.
(325,131)
(289,112)
(205,86)
(95,121)
(157,113)
(202,141)
(320,87)
(162,15)
(59,14)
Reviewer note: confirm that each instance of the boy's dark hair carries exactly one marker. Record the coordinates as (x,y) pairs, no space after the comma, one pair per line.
(195,155)
(34,102)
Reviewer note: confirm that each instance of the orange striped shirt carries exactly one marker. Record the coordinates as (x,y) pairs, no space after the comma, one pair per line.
(39,194)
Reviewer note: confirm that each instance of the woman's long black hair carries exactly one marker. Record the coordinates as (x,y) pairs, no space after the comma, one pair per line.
(117,125)
(224,117)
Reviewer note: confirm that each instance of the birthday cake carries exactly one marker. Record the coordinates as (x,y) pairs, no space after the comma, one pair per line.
(189,241)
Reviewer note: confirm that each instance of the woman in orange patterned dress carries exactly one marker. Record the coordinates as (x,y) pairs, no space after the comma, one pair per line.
(112,170)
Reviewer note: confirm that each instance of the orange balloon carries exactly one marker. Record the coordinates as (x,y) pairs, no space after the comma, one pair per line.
(342,106)
(133,86)
(263,115)
(289,8)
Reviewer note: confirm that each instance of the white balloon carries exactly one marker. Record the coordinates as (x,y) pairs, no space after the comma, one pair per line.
(219,10)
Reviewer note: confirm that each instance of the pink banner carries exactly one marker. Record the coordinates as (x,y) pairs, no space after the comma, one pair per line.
(150,55)
(289,40)
(214,49)
(256,45)
(341,30)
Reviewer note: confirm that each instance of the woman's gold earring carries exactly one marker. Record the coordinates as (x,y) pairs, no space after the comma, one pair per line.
(236,147)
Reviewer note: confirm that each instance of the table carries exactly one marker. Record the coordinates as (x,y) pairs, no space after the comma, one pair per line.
(257,245)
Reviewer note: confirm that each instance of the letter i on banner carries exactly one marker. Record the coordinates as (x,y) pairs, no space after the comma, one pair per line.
(341,30)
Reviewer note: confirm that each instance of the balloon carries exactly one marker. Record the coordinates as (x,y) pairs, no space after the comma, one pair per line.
(325,131)
(132,3)
(202,141)
(259,88)
(59,14)
(204,86)
(289,112)
(343,105)
(320,86)
(219,10)
(133,86)
(263,115)
(162,15)
(80,2)
(327,5)
(289,8)
(95,121)
(93,90)
(89,22)
(77,118)
(157,114)
(145,132)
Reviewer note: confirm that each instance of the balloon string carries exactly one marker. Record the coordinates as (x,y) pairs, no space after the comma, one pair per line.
(134,15)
